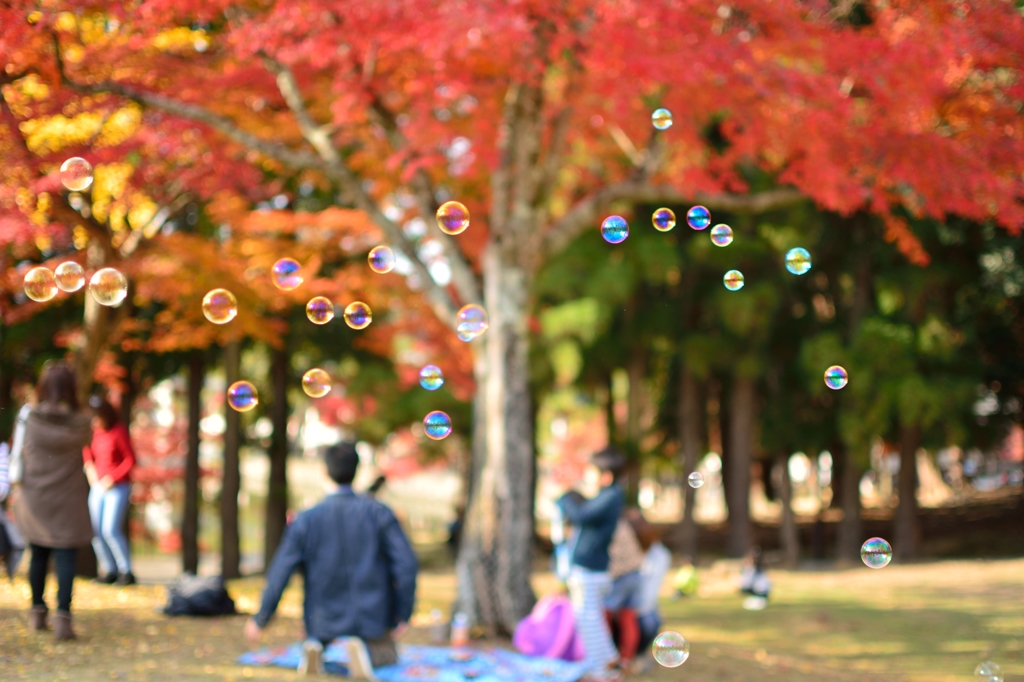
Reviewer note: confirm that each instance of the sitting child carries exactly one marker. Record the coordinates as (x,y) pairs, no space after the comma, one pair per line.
(754,581)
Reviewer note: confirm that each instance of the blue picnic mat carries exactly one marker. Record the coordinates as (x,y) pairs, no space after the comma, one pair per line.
(442,664)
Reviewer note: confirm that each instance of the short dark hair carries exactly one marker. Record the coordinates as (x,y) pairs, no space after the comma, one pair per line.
(57,385)
(105,411)
(342,461)
(610,459)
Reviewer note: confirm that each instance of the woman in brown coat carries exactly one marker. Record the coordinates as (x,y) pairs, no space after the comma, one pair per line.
(52,509)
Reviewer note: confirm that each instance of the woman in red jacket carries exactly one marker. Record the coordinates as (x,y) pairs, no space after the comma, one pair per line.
(109,461)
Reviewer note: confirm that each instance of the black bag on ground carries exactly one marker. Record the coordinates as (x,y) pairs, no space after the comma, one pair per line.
(191,595)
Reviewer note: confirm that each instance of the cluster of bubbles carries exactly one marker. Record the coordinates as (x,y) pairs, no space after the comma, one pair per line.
(107,286)
(670,649)
(876,553)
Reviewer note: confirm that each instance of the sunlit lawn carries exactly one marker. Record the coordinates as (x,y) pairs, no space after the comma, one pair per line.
(924,622)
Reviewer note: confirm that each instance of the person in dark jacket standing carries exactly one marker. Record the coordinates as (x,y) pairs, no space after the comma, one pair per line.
(52,508)
(109,461)
(595,521)
(359,574)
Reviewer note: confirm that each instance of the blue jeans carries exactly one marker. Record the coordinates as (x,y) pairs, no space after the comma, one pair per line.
(108,509)
(624,592)
(649,623)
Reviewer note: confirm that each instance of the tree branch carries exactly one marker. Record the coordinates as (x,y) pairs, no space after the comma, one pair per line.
(585,213)
(336,168)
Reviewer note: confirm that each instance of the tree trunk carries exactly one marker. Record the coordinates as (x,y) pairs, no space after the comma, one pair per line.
(190,520)
(742,412)
(788,537)
(495,555)
(636,368)
(229,544)
(277,485)
(850,534)
(98,323)
(690,439)
(906,524)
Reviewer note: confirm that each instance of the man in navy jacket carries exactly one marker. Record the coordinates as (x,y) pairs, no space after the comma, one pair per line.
(359,573)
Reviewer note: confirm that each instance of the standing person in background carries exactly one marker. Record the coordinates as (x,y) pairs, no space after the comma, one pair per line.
(109,461)
(52,508)
(595,521)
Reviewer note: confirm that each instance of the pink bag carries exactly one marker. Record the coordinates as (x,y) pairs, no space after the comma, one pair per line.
(549,631)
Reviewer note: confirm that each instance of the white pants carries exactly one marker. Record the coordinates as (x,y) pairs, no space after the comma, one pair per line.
(588,590)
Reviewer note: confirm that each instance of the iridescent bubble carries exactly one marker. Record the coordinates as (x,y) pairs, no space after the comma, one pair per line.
(452,217)
(40,284)
(698,217)
(836,377)
(431,377)
(286,274)
(696,479)
(382,259)
(876,553)
(437,425)
(220,306)
(320,310)
(108,286)
(670,649)
(664,219)
(316,383)
(76,174)
(721,235)
(614,229)
(733,280)
(358,315)
(798,261)
(242,396)
(69,276)
(471,322)
(988,672)
(661,119)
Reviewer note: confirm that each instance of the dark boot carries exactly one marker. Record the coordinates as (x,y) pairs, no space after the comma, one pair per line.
(62,627)
(106,579)
(125,579)
(37,618)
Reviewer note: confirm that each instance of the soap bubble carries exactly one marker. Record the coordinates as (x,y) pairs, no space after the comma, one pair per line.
(286,274)
(382,259)
(220,306)
(988,672)
(437,425)
(836,377)
(320,310)
(661,119)
(108,286)
(876,553)
(670,649)
(721,235)
(696,479)
(242,396)
(664,219)
(40,284)
(698,217)
(452,217)
(431,377)
(358,315)
(69,276)
(76,174)
(798,261)
(614,229)
(733,280)
(316,383)
(471,322)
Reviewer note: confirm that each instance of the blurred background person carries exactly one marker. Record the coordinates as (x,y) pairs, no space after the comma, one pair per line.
(109,460)
(52,508)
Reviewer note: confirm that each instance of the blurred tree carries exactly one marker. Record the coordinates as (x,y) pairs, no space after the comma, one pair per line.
(519,111)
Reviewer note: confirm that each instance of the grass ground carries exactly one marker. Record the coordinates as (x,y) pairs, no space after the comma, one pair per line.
(919,623)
